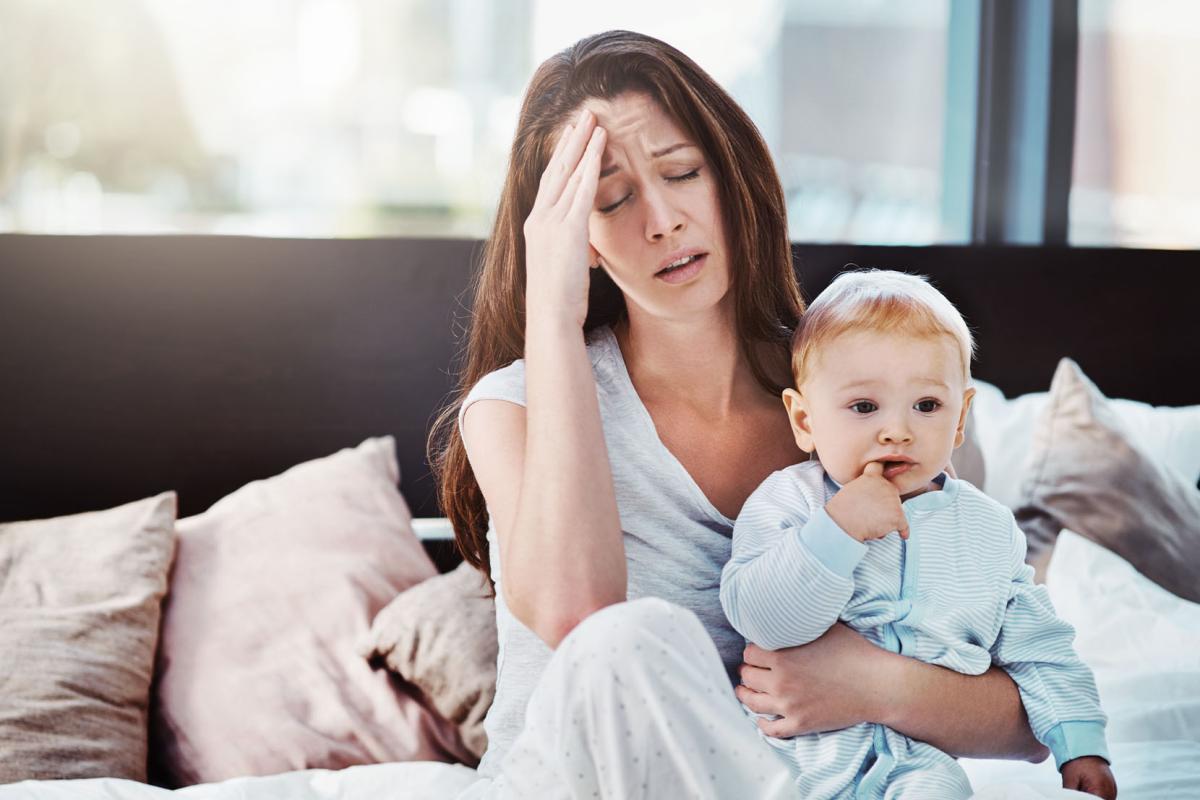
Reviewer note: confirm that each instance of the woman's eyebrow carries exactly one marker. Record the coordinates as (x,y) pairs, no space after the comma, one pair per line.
(615,168)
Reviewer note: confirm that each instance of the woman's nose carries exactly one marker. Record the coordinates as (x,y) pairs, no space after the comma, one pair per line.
(663,218)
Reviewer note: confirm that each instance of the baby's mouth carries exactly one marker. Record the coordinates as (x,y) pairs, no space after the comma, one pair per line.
(893,468)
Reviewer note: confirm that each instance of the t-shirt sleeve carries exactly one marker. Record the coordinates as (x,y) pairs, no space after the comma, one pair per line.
(506,383)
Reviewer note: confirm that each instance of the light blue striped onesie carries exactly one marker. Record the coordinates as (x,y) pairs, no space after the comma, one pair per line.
(957,593)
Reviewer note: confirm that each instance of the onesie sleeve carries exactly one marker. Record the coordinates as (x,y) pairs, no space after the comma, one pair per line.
(789,576)
(1057,688)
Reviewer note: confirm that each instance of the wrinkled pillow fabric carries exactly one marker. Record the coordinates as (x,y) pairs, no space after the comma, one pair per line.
(272,588)
(441,636)
(967,459)
(1087,473)
(80,600)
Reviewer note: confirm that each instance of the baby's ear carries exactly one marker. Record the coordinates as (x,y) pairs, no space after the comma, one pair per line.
(959,436)
(797,411)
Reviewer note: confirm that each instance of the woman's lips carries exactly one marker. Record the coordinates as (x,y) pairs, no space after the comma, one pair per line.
(684,273)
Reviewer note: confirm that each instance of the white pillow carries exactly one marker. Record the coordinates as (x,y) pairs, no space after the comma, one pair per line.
(1004,429)
(1142,642)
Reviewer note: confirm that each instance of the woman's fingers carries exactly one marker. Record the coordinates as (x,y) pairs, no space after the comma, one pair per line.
(758,657)
(754,678)
(581,189)
(541,200)
(778,728)
(758,702)
(564,161)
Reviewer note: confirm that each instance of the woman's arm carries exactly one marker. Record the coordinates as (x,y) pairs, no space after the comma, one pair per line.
(841,679)
(544,469)
(561,552)
(974,716)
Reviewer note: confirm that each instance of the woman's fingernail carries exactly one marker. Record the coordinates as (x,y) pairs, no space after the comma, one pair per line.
(583,115)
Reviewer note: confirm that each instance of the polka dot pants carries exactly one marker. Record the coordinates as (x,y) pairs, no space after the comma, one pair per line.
(636,703)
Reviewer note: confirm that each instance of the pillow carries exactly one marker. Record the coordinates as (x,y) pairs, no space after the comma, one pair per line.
(79,611)
(272,587)
(1143,645)
(1141,641)
(1087,473)
(1004,430)
(441,636)
(967,459)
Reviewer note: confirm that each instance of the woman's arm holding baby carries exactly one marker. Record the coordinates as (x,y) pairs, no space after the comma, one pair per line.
(842,679)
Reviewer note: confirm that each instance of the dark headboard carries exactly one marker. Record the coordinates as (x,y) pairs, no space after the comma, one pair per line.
(133,365)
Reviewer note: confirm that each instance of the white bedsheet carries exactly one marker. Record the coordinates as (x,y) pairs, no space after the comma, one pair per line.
(413,781)
(420,780)
(1142,642)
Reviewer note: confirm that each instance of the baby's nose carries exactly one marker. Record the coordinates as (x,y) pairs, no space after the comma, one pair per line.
(895,435)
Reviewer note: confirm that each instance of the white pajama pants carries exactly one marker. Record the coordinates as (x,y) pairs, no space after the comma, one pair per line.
(636,703)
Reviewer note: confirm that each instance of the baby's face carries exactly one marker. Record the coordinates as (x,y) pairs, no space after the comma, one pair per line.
(893,398)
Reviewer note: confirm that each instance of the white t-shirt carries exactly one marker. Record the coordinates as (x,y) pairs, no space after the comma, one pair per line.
(676,541)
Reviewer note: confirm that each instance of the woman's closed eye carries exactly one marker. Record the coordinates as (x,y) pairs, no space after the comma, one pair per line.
(688,176)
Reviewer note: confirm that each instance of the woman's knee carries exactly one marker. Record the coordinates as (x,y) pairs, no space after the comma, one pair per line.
(628,626)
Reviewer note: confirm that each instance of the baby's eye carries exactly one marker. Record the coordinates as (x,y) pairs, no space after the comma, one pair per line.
(864,407)
(927,406)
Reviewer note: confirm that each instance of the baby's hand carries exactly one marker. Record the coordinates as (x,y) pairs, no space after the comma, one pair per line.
(868,507)
(1090,774)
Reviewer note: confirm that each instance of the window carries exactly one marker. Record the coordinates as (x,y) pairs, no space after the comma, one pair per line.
(1136,175)
(862,108)
(376,118)
(292,117)
(348,118)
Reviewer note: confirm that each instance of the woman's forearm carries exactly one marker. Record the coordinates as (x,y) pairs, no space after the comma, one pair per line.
(564,556)
(979,716)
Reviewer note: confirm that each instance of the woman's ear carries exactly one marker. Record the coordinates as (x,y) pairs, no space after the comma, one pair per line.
(959,435)
(797,411)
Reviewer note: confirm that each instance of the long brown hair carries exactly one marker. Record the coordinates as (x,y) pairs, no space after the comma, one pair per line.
(766,294)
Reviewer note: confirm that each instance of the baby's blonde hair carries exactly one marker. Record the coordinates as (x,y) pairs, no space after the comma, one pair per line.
(878,300)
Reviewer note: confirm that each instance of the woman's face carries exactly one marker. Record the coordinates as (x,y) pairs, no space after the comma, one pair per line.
(657,205)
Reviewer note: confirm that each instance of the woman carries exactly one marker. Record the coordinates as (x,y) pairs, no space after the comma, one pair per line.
(641,266)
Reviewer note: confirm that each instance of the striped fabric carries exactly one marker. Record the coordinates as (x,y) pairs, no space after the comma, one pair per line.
(957,594)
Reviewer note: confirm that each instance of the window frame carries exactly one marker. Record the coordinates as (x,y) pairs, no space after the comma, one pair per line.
(1010,121)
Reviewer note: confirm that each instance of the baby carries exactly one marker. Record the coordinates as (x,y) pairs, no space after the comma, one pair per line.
(872,531)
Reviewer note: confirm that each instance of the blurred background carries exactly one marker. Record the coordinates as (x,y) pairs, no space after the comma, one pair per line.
(378,118)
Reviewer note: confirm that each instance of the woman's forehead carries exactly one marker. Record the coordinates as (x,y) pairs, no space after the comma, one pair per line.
(635,120)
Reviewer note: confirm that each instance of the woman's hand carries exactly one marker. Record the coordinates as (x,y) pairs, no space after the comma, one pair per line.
(830,683)
(557,253)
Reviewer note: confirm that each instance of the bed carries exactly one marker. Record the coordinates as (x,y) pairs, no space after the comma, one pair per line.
(185,369)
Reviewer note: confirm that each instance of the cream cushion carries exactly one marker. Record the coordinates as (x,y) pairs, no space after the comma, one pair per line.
(273,587)
(80,603)
(441,636)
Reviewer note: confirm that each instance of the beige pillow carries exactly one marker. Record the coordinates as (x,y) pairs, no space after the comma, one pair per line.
(441,636)
(272,588)
(1088,475)
(79,611)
